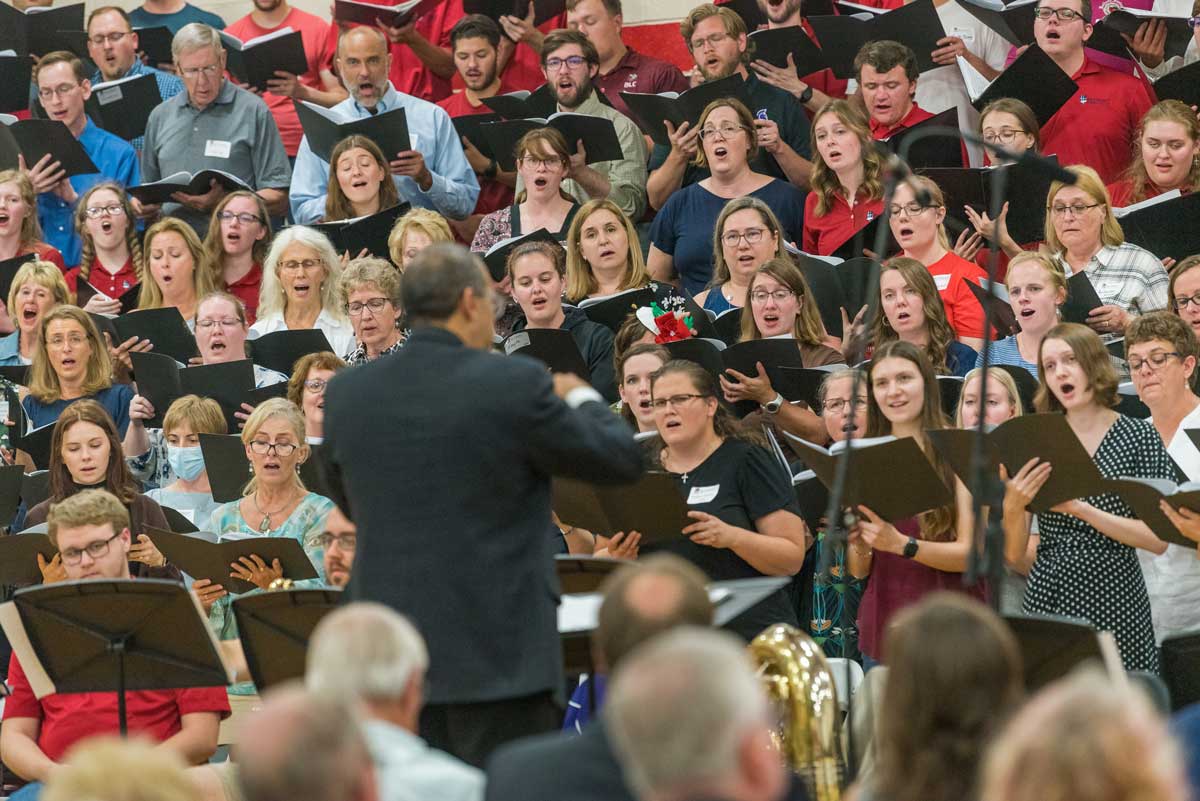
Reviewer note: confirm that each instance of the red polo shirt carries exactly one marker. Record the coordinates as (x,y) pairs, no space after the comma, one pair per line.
(112,284)
(963,312)
(638,73)
(44,252)
(246,290)
(493,195)
(825,234)
(1121,192)
(67,718)
(1097,125)
(915,115)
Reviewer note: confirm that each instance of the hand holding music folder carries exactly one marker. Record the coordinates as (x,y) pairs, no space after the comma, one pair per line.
(162,327)
(255,61)
(280,350)
(872,481)
(555,347)
(916,24)
(163,190)
(274,628)
(1081,299)
(1033,78)
(650,110)
(467,127)
(1128,20)
(84,292)
(774,45)
(773,354)
(598,135)
(324,128)
(1014,443)
(162,381)
(374,14)
(653,506)
(35,139)
(201,559)
(496,257)
(369,232)
(1144,496)
(18,558)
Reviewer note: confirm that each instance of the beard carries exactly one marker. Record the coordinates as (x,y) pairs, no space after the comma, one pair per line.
(780,13)
(573,98)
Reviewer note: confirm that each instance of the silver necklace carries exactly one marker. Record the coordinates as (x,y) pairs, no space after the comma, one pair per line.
(265,525)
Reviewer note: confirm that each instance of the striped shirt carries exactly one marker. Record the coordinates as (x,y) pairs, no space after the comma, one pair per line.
(1127,276)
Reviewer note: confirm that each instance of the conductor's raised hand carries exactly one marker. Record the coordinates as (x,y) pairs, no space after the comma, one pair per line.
(755,388)
(565,382)
(253,569)
(711,530)
(1187,521)
(52,571)
(879,533)
(1021,489)
(208,593)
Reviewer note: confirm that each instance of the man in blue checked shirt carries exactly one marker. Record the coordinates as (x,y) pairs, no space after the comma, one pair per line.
(435,174)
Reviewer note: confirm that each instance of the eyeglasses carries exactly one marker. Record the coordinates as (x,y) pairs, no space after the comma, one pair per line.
(315,384)
(752,236)
(839,405)
(1076,209)
(262,447)
(1183,301)
(911,208)
(1193,22)
(192,73)
(674,400)
(305,265)
(759,296)
(533,162)
(245,217)
(374,304)
(712,40)
(225,322)
(1155,360)
(96,549)
(112,210)
(345,542)
(726,131)
(62,91)
(75,340)
(112,38)
(1063,14)
(554,63)
(1005,136)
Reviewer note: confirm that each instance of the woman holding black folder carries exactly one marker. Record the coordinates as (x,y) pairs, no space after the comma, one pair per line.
(1167,155)
(746,521)
(1086,565)
(913,312)
(360,183)
(110,256)
(906,559)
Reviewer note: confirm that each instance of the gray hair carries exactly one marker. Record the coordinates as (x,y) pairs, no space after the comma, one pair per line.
(271,297)
(194,36)
(855,374)
(365,651)
(370,272)
(435,281)
(679,708)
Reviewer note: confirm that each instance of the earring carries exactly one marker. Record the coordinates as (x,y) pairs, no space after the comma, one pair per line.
(250,468)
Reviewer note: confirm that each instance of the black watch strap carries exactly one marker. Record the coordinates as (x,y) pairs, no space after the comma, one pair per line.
(911,547)
(806,95)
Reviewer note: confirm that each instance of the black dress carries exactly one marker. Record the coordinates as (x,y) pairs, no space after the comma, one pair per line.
(738,483)
(1081,573)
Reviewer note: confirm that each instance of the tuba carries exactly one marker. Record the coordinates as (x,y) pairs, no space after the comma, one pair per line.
(800,686)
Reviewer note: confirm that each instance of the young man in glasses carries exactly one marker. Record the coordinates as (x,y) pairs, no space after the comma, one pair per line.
(91,531)
(63,88)
(1097,125)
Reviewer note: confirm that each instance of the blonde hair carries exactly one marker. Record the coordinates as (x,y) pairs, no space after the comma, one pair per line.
(1163,111)
(1052,268)
(133,243)
(89,507)
(204,277)
(941,334)
(337,205)
(427,221)
(276,407)
(43,381)
(202,415)
(824,181)
(43,273)
(1001,377)
(1090,182)
(720,267)
(31,230)
(581,281)
(271,298)
(112,769)
(807,328)
(937,200)
(215,249)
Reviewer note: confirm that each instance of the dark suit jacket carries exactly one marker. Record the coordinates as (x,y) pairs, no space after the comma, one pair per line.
(443,456)
(556,767)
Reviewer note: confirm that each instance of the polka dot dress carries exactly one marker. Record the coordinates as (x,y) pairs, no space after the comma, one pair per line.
(1081,573)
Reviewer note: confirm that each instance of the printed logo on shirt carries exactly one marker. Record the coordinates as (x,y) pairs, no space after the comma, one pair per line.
(703,494)
(761,114)
(870,215)
(942,281)
(630,82)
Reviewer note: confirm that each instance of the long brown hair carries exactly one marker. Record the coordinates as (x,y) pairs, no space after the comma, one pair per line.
(770,221)
(808,328)
(337,205)
(215,250)
(117,478)
(954,676)
(581,281)
(938,524)
(1162,111)
(87,252)
(1091,355)
(940,333)
(824,181)
(43,381)
(640,349)
(725,424)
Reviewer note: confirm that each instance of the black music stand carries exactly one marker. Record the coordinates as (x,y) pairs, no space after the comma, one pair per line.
(1052,646)
(274,628)
(112,636)
(584,574)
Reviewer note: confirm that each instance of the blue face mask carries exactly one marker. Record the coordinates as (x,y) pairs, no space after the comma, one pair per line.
(186,463)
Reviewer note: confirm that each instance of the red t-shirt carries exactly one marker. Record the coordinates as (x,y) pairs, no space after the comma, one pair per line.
(1097,125)
(963,311)
(493,195)
(915,114)
(524,69)
(246,290)
(1121,192)
(825,234)
(112,284)
(67,718)
(317,49)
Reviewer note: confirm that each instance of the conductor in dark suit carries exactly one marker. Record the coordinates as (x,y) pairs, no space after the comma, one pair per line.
(442,456)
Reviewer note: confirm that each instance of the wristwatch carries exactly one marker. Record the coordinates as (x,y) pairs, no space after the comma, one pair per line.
(910,548)
(806,95)
(772,406)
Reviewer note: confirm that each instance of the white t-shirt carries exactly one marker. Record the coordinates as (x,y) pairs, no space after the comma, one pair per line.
(1173,578)
(942,87)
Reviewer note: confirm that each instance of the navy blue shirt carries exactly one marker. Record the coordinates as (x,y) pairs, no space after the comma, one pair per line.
(114,399)
(684,226)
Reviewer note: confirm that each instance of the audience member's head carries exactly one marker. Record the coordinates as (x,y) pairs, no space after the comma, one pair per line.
(689,719)
(108,769)
(91,531)
(302,744)
(415,231)
(1085,738)
(449,287)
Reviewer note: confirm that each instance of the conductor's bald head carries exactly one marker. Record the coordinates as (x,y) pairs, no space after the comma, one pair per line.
(304,745)
(448,287)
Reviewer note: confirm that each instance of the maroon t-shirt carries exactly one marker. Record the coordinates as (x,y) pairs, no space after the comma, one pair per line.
(638,73)
(493,195)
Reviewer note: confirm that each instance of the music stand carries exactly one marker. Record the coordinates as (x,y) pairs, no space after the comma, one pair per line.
(1180,662)
(274,628)
(1052,646)
(112,636)
(584,574)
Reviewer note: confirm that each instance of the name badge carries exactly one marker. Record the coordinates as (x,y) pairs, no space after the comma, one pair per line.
(217,148)
(942,282)
(966,34)
(703,494)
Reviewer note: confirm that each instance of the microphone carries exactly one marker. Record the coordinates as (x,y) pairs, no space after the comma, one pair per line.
(898,170)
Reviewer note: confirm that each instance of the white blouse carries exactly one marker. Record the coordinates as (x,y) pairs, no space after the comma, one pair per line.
(339,332)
